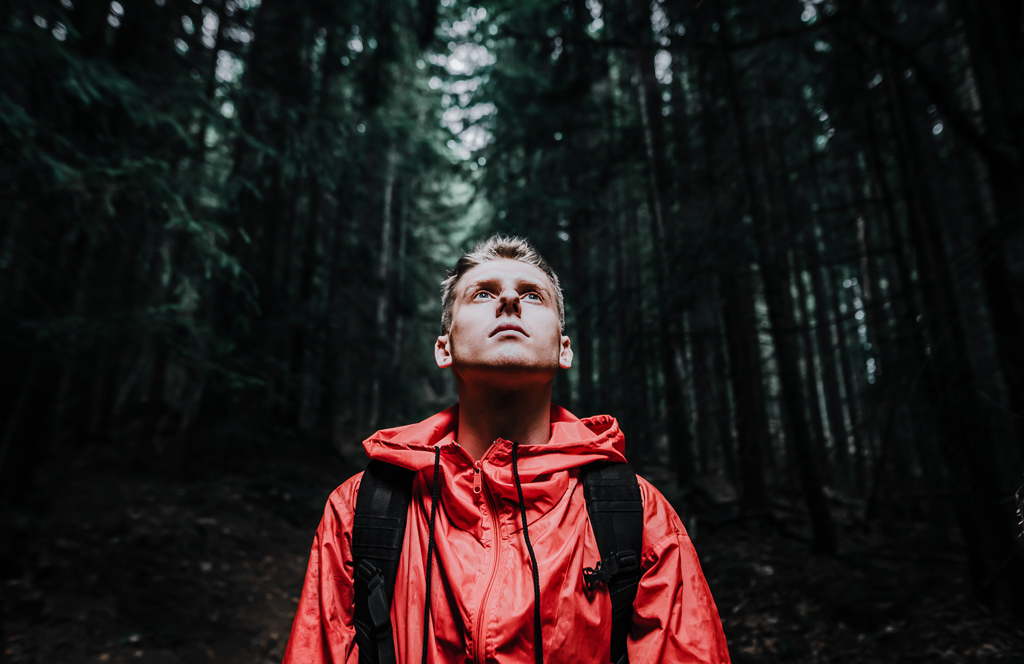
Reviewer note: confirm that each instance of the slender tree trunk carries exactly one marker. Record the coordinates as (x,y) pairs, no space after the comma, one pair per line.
(993,32)
(310,340)
(603,345)
(829,289)
(853,396)
(747,383)
(985,516)
(740,397)
(739,322)
(863,287)
(10,429)
(383,271)
(720,384)
(787,228)
(707,368)
(774,272)
(787,352)
(669,335)
(901,350)
(827,343)
(632,391)
(340,396)
(811,373)
(583,336)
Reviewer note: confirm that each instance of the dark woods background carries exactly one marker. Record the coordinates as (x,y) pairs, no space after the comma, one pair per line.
(789,235)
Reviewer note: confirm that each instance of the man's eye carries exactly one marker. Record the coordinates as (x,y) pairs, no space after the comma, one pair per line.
(482,295)
(531,296)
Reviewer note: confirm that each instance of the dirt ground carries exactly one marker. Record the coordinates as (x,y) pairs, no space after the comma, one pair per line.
(113,563)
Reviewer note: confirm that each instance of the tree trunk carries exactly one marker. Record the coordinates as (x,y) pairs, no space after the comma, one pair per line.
(774,272)
(735,303)
(827,343)
(786,228)
(670,337)
(383,273)
(811,373)
(632,391)
(825,284)
(586,326)
(985,517)
(707,370)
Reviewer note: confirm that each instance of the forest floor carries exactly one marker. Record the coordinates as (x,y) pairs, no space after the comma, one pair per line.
(108,563)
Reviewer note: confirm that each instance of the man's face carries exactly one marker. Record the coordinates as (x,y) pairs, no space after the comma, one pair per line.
(504,322)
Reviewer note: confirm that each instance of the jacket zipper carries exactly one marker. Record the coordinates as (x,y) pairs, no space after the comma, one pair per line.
(478,487)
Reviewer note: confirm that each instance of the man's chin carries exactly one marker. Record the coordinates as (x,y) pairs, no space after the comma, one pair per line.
(510,369)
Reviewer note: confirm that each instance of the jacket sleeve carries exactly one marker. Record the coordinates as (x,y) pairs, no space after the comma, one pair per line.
(323,631)
(674,615)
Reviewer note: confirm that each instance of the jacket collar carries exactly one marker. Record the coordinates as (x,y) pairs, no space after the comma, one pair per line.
(573,442)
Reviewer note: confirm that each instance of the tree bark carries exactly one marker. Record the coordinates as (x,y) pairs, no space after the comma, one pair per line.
(670,337)
(827,343)
(774,272)
(985,517)
(739,322)
(383,274)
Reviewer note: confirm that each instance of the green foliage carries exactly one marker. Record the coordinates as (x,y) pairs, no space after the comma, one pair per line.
(202,186)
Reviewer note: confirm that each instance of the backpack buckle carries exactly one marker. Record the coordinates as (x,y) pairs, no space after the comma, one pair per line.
(605,570)
(368,574)
(377,600)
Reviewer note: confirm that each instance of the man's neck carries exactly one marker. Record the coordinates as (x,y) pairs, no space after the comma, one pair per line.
(489,413)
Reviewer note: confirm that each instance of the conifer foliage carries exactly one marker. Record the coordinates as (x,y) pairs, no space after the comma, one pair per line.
(208,209)
(792,238)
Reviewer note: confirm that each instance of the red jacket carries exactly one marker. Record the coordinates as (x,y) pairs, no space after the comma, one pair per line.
(482,604)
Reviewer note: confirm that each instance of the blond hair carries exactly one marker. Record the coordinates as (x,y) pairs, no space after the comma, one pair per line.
(494,248)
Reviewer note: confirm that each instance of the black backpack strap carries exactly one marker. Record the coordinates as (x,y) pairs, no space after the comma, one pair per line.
(377,533)
(617,517)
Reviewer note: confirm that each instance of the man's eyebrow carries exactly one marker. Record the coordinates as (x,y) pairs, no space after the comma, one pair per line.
(532,284)
(490,281)
(486,281)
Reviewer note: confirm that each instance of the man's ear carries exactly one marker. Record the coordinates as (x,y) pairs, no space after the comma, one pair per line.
(443,351)
(565,354)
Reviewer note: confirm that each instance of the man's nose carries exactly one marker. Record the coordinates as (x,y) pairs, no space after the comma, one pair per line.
(508,302)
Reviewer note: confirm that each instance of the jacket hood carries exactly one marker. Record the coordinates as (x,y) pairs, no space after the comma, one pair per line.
(573,442)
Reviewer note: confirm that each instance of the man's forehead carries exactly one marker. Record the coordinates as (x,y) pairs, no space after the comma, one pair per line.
(505,269)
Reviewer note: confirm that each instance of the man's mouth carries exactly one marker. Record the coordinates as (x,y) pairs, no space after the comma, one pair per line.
(509,327)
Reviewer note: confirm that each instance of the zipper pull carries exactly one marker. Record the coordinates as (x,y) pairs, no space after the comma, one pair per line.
(476,478)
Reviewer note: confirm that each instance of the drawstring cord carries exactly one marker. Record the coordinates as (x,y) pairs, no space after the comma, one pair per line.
(537,632)
(430,551)
(538,642)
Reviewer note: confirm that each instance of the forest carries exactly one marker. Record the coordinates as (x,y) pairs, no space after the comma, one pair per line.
(789,234)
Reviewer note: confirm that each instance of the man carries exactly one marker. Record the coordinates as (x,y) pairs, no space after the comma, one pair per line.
(497,534)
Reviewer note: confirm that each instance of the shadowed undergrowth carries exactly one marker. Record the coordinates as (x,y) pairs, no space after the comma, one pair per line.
(111,563)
